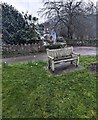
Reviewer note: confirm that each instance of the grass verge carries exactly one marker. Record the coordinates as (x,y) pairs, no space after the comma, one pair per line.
(29,91)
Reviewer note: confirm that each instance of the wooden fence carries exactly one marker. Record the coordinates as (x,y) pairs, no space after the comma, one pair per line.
(22,49)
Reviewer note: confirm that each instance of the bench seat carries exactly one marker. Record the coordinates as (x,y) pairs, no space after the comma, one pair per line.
(65,60)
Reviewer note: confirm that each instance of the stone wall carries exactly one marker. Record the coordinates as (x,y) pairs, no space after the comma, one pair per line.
(22,49)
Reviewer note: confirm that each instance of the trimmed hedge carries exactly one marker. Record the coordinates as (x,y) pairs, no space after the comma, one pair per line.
(81,42)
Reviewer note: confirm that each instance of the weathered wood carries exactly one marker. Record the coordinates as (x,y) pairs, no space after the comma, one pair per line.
(62,55)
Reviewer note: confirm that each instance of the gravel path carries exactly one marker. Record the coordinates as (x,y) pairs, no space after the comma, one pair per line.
(84,51)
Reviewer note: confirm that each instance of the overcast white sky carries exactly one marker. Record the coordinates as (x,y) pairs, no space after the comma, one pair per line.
(32,6)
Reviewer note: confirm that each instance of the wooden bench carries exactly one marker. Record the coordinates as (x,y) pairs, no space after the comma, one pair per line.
(62,55)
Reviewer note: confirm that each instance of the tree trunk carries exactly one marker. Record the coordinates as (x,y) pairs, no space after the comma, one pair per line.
(70,33)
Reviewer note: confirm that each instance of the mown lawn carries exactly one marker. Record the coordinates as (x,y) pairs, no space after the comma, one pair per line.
(29,91)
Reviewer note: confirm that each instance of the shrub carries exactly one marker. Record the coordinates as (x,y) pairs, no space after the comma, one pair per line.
(61,39)
(54,46)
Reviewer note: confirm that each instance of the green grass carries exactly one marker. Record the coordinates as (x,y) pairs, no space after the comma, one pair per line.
(29,91)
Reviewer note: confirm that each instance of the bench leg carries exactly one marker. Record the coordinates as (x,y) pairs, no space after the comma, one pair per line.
(71,62)
(49,63)
(52,67)
(77,62)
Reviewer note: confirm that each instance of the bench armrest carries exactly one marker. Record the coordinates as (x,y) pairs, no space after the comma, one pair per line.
(50,57)
(76,53)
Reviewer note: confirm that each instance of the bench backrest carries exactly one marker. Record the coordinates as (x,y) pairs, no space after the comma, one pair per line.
(63,52)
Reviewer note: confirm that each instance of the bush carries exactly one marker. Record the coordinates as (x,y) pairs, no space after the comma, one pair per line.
(61,39)
(54,46)
(50,42)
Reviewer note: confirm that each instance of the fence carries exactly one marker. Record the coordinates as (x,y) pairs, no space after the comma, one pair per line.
(22,49)
(33,48)
(81,42)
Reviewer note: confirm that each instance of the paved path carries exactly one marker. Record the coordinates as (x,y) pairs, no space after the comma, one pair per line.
(91,51)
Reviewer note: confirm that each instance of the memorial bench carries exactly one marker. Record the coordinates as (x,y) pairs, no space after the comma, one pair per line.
(62,55)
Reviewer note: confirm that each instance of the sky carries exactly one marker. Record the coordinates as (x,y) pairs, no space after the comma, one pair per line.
(32,6)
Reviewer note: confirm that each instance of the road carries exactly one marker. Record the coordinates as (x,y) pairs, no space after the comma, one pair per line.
(84,51)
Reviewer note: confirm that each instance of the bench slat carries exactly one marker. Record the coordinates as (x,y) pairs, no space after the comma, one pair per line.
(65,60)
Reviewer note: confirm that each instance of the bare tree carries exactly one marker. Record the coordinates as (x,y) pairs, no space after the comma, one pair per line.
(66,12)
